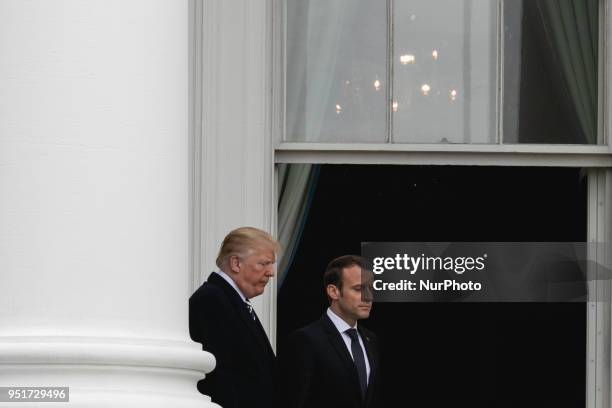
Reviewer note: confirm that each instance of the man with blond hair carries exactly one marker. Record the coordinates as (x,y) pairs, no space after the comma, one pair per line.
(222,319)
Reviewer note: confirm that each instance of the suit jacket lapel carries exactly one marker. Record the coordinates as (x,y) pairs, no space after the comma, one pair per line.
(340,346)
(254,326)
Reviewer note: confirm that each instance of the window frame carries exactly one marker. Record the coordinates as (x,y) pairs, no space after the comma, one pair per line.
(279,84)
(596,159)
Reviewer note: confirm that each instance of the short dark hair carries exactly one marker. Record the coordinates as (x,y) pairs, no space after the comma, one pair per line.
(333,272)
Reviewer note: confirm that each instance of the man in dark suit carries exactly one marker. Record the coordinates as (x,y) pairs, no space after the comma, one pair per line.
(334,362)
(223,320)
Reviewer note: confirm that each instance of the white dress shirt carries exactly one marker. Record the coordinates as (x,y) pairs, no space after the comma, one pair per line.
(342,327)
(231,282)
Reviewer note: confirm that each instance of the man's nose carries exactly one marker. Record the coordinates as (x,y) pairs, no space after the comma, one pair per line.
(270,271)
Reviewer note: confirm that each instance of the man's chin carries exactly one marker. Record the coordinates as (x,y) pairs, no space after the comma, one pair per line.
(364,313)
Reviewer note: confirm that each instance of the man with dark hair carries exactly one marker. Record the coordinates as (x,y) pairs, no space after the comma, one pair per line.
(222,318)
(333,362)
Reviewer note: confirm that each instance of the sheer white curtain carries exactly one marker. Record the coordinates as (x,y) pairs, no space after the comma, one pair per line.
(572,30)
(296,189)
(311,67)
(336,77)
(312,63)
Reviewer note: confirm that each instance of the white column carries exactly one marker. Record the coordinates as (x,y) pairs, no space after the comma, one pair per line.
(94,202)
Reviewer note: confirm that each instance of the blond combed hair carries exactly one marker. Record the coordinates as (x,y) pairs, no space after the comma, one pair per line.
(243,240)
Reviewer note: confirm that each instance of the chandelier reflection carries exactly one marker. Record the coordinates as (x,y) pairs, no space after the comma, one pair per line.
(407,59)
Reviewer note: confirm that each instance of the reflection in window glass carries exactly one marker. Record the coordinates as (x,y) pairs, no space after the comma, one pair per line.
(336,82)
(444,71)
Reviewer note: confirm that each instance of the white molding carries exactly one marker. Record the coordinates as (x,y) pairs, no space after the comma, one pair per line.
(389,4)
(447,148)
(599,316)
(125,372)
(106,351)
(269,173)
(445,158)
(604,67)
(278,23)
(279,69)
(195,153)
(602,64)
(499,60)
(445,154)
(237,166)
(209,124)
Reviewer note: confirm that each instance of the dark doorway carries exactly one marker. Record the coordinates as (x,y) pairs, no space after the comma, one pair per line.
(452,354)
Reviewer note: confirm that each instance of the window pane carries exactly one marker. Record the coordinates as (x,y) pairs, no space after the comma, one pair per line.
(456,75)
(444,71)
(336,78)
(550,71)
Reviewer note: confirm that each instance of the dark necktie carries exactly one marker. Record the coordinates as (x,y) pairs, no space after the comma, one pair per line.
(359,360)
(250,309)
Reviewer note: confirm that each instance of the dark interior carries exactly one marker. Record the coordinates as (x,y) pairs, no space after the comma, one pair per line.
(451,354)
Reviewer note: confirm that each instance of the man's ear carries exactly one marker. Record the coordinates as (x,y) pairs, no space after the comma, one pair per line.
(333,292)
(234,263)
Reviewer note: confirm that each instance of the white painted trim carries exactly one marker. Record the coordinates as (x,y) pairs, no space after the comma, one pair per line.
(446,154)
(602,65)
(209,49)
(278,26)
(599,316)
(427,148)
(279,68)
(445,158)
(389,4)
(195,154)
(237,125)
(499,113)
(591,346)
(269,198)
(279,79)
